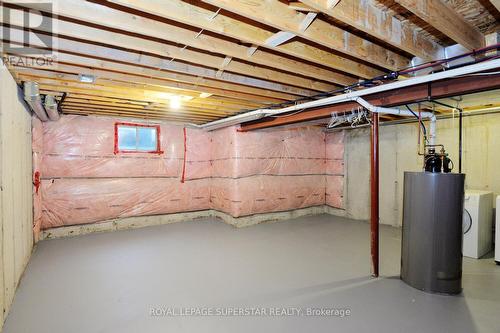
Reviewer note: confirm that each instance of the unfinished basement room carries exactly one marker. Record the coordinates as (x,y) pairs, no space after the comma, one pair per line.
(250,166)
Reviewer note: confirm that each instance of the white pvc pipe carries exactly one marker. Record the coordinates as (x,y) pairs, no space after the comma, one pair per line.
(378,109)
(244,117)
(234,120)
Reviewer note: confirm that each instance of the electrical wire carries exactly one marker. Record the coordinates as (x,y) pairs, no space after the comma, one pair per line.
(424,130)
(391,76)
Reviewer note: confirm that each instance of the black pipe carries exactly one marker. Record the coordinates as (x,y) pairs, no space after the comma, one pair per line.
(390,76)
(460,131)
(460,117)
(419,120)
(61,101)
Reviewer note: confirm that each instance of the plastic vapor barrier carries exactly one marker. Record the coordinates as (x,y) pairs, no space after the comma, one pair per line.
(84,180)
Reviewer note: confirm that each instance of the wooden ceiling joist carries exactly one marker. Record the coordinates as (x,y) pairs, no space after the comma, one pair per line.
(129,23)
(208,102)
(446,20)
(78,102)
(162,78)
(135,92)
(181,113)
(223,57)
(184,109)
(166,53)
(201,109)
(230,105)
(156,64)
(114,113)
(200,17)
(280,16)
(367,17)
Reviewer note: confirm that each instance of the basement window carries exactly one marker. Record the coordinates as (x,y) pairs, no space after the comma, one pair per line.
(137,138)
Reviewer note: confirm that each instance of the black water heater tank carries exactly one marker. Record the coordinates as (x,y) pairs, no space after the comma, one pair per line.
(431,253)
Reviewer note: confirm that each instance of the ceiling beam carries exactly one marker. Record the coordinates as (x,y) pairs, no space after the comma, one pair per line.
(227,104)
(496,4)
(161,78)
(244,85)
(124,113)
(366,17)
(114,19)
(152,107)
(299,6)
(116,91)
(446,20)
(182,111)
(139,92)
(278,15)
(171,54)
(407,95)
(201,18)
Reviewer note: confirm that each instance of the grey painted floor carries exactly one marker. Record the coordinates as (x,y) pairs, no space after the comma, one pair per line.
(110,282)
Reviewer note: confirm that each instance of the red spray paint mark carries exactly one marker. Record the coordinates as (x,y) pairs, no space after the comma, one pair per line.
(36,181)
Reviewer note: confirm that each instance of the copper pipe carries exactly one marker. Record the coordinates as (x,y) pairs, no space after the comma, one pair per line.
(374,174)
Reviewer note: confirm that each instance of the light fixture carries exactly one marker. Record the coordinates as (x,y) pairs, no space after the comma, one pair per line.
(86,78)
(205,95)
(175,102)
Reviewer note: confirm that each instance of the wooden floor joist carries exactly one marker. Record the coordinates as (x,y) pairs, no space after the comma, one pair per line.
(445,19)
(201,18)
(169,79)
(366,16)
(15,34)
(319,31)
(224,57)
(113,19)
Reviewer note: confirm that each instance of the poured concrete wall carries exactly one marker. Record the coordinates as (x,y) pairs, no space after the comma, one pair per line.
(16,205)
(398,153)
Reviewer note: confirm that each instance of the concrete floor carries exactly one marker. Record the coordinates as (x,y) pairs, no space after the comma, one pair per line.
(110,282)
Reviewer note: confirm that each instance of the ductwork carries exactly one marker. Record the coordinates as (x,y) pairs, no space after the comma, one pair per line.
(34,100)
(51,107)
(351,96)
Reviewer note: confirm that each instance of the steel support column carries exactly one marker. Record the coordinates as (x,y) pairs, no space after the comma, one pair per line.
(374,183)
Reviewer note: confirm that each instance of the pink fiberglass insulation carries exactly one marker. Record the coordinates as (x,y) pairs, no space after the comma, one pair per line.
(84,181)
(198,154)
(277,152)
(77,201)
(267,171)
(262,194)
(83,147)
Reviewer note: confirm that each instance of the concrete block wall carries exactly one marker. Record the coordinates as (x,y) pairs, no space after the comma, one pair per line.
(398,153)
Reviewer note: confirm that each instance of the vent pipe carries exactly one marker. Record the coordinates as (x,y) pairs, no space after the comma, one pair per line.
(51,107)
(32,97)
